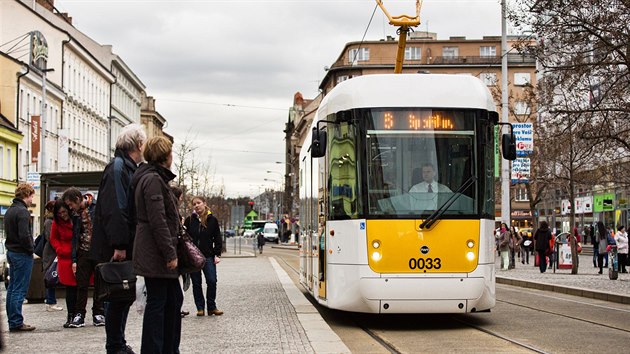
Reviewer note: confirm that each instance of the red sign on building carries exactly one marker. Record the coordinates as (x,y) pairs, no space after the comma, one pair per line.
(35,129)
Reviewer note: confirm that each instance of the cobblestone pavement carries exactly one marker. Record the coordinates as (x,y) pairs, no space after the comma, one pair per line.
(259,318)
(587,278)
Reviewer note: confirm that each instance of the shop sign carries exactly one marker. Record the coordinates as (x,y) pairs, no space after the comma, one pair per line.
(604,202)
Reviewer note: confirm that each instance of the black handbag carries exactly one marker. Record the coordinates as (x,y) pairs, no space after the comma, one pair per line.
(189,257)
(38,246)
(51,278)
(115,281)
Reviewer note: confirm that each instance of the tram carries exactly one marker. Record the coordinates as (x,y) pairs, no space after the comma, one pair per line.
(373,240)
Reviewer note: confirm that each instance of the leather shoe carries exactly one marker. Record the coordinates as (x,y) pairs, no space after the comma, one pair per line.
(23,328)
(185,313)
(215,312)
(200,313)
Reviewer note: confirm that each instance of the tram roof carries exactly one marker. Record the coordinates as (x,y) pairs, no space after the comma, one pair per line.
(408,90)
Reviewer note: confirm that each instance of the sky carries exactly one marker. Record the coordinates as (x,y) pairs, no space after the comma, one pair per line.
(224,73)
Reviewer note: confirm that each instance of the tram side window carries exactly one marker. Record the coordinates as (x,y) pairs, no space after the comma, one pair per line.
(344,199)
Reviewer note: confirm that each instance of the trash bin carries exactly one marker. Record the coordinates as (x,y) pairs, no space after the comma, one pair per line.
(36,289)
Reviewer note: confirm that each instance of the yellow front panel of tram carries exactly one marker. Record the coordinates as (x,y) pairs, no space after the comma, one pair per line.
(398,246)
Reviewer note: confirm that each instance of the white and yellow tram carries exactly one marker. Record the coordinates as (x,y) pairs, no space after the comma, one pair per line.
(373,240)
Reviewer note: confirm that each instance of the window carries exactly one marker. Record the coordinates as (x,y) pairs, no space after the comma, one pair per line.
(488,51)
(522,79)
(7,171)
(490,79)
(359,54)
(342,78)
(413,53)
(450,52)
(344,199)
(521,107)
(520,194)
(2,162)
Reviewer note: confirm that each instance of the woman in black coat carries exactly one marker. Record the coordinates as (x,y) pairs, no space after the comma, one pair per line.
(541,244)
(155,248)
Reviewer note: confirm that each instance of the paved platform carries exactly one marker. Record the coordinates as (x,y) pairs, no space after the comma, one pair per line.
(264,313)
(587,283)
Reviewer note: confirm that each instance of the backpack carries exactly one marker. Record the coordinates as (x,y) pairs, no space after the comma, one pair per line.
(38,245)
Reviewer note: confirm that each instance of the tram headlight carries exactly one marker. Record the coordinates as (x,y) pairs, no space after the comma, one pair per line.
(470,255)
(470,243)
(376,244)
(376,256)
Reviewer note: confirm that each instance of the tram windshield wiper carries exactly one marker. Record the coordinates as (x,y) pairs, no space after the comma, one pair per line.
(428,222)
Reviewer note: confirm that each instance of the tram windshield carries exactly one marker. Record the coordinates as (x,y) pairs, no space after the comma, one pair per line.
(416,159)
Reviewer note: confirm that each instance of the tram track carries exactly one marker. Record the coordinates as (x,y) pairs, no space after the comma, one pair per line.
(378,339)
(386,332)
(564,316)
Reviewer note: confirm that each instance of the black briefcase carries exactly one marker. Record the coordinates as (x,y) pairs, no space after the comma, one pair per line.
(115,281)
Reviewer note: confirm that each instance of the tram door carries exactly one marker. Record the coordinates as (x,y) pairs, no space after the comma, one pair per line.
(322,265)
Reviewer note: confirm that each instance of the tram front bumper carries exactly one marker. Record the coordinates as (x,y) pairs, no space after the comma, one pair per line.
(426,295)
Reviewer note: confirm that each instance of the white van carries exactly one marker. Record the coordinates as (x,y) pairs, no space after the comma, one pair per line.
(270,232)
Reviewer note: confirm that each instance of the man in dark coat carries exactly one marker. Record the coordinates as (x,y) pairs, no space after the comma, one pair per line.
(19,244)
(114,225)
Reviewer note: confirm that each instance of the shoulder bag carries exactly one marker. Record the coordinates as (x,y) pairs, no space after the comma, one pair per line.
(189,257)
(115,281)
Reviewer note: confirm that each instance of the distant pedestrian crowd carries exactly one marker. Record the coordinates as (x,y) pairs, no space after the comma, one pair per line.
(133,218)
(511,244)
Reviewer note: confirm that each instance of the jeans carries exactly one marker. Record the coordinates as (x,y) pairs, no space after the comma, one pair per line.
(51,298)
(525,255)
(115,322)
(21,266)
(210,272)
(162,322)
(505,259)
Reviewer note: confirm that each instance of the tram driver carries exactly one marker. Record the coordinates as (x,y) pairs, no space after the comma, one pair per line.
(429,184)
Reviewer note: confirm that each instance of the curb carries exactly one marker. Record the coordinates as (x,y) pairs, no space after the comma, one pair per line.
(322,338)
(621,299)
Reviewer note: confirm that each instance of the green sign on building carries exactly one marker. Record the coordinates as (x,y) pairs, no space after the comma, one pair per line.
(604,202)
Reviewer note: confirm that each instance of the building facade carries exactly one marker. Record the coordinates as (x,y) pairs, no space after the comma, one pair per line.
(81,97)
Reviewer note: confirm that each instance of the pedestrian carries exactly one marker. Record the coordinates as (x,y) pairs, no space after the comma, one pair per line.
(526,246)
(178,192)
(61,241)
(542,236)
(260,240)
(204,230)
(114,224)
(49,255)
(515,246)
(155,248)
(595,243)
(504,246)
(19,245)
(621,238)
(83,265)
(602,243)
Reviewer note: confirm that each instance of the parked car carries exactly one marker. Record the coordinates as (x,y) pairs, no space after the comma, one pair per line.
(249,233)
(230,233)
(4,265)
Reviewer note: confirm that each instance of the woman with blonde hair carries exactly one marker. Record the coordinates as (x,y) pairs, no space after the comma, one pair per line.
(155,248)
(203,227)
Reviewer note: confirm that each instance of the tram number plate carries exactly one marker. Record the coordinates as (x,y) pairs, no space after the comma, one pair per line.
(425,263)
